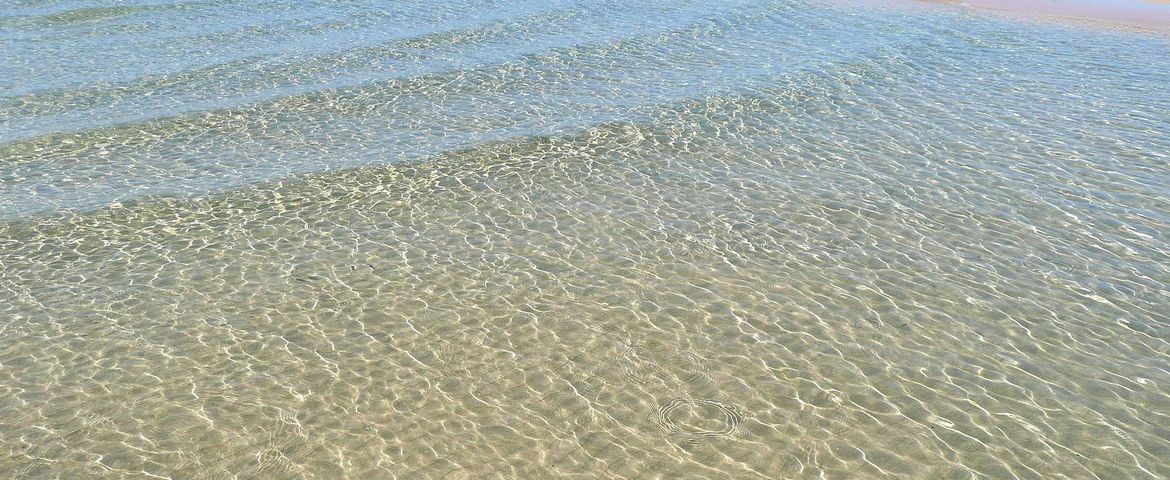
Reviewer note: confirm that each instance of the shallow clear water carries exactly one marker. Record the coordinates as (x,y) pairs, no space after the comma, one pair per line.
(579,239)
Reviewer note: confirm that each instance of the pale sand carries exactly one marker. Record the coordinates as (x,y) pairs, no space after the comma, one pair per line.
(1148,15)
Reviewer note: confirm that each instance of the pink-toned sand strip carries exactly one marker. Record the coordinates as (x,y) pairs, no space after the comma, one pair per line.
(1149,15)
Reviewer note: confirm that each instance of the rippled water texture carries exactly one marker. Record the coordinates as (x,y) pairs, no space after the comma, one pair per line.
(462,240)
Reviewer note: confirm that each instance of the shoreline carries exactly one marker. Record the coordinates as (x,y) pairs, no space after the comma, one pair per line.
(1149,16)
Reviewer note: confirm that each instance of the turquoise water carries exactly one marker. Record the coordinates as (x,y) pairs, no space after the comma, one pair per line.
(579,239)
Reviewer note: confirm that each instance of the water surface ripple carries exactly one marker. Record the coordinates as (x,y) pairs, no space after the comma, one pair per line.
(580,239)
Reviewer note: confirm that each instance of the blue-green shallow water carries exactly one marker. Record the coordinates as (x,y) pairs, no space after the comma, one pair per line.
(579,239)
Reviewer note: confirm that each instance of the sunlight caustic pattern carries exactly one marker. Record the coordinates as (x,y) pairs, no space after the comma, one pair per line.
(580,240)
